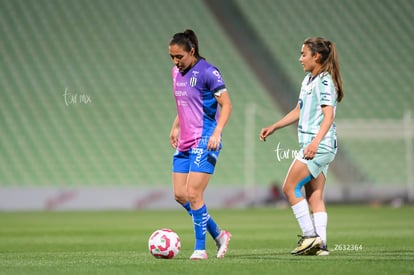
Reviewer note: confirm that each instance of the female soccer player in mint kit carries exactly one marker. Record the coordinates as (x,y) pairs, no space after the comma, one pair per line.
(315,113)
(199,91)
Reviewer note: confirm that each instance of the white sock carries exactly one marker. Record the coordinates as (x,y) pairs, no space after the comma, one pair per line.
(320,220)
(301,211)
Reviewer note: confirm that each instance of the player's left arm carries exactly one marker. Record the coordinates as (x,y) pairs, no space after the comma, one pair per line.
(328,118)
(223,99)
(327,101)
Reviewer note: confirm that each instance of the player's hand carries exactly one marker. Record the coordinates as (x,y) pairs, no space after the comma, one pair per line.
(214,143)
(265,132)
(174,137)
(174,142)
(310,151)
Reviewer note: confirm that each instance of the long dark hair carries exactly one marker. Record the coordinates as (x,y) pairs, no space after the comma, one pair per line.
(188,39)
(329,60)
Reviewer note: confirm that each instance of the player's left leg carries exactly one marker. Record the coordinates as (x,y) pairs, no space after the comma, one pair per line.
(196,184)
(202,166)
(314,195)
(180,194)
(318,166)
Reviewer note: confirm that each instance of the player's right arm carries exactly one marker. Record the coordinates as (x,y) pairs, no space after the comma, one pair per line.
(175,132)
(290,118)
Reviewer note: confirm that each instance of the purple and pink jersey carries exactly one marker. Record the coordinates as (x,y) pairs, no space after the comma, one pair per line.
(197,106)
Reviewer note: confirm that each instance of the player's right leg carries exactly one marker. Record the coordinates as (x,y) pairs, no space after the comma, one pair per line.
(180,190)
(314,195)
(180,170)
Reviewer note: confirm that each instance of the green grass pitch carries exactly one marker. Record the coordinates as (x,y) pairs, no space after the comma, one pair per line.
(362,240)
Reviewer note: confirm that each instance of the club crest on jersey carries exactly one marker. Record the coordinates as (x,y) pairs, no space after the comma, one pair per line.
(193,79)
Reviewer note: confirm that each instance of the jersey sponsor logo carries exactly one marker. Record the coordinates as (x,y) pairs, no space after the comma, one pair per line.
(326,97)
(307,90)
(180,93)
(181,84)
(218,75)
(325,82)
(182,103)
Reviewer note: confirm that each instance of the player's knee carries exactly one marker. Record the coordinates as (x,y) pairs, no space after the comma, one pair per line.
(194,197)
(294,188)
(286,189)
(289,191)
(180,198)
(315,198)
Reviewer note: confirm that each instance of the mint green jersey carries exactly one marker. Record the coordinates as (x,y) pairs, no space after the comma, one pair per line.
(315,93)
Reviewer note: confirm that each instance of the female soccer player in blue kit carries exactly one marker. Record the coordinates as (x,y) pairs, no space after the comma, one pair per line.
(199,91)
(315,113)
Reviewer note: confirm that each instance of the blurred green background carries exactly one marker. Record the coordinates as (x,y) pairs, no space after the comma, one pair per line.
(86,95)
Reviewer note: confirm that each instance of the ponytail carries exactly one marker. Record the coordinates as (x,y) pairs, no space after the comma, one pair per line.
(188,39)
(329,60)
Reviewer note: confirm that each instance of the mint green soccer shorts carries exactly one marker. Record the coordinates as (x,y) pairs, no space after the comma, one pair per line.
(320,162)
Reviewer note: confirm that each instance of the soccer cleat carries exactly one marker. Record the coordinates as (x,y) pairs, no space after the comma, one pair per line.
(222,243)
(307,245)
(322,251)
(199,255)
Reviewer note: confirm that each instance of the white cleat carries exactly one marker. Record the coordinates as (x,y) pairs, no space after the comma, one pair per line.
(222,243)
(199,255)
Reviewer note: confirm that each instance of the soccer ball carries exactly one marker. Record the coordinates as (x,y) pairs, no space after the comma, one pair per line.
(164,243)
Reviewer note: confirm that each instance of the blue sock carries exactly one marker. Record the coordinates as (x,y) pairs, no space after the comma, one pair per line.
(212,227)
(200,227)
(188,208)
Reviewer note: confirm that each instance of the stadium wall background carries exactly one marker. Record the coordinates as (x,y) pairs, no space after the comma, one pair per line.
(86,103)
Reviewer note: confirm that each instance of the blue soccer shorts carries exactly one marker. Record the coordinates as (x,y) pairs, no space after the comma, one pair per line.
(195,160)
